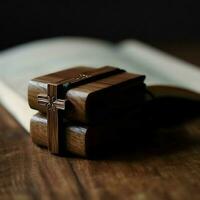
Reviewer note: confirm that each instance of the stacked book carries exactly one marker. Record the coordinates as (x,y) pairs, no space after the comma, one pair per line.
(82,110)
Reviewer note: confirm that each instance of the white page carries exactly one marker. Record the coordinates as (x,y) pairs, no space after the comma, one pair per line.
(160,67)
(20,64)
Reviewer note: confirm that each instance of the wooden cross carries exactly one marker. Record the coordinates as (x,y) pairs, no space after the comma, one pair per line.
(54,118)
(53,105)
(55,102)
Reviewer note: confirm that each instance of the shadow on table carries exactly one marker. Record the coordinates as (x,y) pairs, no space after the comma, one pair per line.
(165,126)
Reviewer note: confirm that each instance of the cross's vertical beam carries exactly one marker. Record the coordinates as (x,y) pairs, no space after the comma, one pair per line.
(53,121)
(55,101)
(54,107)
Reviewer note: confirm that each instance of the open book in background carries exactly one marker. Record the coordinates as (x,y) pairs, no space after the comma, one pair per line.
(20,64)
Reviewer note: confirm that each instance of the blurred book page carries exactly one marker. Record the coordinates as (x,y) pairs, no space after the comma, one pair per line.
(159,67)
(20,64)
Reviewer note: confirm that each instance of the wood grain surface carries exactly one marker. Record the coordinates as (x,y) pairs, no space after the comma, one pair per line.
(165,167)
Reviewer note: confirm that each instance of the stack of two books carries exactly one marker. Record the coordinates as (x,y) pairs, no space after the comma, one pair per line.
(83,110)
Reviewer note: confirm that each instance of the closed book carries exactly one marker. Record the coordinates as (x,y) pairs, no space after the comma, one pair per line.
(90,95)
(91,141)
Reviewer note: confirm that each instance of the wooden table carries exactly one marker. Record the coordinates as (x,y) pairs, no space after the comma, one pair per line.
(166,169)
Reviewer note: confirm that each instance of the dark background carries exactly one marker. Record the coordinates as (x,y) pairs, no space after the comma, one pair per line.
(150,21)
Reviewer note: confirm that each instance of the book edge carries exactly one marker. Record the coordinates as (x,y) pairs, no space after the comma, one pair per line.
(16,105)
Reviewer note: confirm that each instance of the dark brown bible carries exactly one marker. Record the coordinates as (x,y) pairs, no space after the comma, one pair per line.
(89,141)
(91,96)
